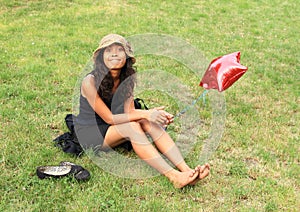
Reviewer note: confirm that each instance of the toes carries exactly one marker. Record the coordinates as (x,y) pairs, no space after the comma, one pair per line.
(193,173)
(194,176)
(202,169)
(197,168)
(204,174)
(207,166)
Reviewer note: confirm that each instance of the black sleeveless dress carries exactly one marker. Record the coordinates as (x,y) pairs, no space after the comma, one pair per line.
(90,128)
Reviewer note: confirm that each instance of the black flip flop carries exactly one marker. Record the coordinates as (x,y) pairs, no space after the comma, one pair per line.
(62,170)
(79,172)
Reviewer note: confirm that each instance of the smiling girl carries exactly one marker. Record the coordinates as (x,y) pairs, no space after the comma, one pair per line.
(107,116)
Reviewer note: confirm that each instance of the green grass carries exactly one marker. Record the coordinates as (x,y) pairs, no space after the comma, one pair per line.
(44,47)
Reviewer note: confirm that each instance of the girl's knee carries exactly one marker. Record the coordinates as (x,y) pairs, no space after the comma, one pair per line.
(131,129)
(136,134)
(146,125)
(151,129)
(135,126)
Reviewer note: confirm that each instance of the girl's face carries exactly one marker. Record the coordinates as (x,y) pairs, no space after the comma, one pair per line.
(114,57)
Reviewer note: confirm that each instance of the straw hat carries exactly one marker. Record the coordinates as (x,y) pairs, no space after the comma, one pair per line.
(118,39)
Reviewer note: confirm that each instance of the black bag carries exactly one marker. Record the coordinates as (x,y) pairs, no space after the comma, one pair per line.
(68,141)
(140,104)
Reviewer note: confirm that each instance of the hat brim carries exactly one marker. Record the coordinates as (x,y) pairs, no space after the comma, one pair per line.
(128,54)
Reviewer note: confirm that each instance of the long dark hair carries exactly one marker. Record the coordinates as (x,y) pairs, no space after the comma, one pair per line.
(104,81)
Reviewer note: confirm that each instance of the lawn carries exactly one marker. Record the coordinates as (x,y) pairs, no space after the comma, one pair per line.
(45,47)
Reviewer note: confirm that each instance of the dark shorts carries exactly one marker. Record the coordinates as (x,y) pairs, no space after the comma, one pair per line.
(91,136)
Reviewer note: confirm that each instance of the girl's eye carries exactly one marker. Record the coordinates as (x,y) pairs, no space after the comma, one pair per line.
(121,49)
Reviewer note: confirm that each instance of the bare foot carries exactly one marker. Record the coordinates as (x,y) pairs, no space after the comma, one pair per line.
(181,179)
(203,172)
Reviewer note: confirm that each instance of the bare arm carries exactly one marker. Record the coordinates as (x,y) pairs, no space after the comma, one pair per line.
(89,91)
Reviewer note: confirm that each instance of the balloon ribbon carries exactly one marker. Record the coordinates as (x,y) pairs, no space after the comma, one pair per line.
(202,96)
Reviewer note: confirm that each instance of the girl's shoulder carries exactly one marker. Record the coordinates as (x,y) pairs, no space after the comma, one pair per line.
(88,85)
(88,79)
(88,76)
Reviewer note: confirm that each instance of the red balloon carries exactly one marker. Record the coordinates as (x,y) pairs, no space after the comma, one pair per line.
(223,71)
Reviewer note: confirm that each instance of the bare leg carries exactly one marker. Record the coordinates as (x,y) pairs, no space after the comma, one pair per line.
(167,147)
(146,151)
(165,144)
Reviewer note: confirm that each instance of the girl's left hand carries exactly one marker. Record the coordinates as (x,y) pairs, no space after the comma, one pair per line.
(170,117)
